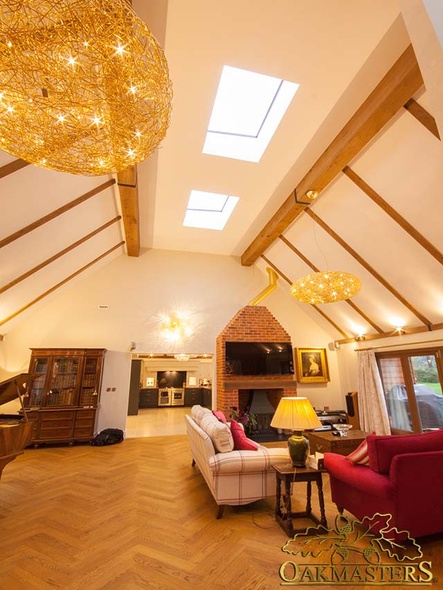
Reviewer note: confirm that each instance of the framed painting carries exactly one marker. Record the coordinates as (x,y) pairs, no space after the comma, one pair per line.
(311,365)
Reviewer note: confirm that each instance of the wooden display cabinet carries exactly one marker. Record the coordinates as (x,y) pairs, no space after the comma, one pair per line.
(62,402)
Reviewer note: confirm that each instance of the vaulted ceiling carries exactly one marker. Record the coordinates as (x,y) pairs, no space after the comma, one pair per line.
(360,131)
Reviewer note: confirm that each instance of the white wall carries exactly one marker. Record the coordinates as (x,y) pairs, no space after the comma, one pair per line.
(139,290)
(114,391)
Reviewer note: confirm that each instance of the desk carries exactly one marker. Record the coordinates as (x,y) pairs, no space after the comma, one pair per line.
(326,442)
(287,474)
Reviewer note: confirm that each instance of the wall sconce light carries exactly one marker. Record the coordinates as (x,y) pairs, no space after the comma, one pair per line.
(175,327)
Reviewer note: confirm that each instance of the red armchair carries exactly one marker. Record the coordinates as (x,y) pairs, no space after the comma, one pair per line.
(404,478)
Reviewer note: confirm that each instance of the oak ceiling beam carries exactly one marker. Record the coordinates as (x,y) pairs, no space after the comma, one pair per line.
(422,115)
(60,284)
(402,222)
(317,309)
(25,230)
(401,82)
(12,167)
(127,184)
(368,267)
(315,269)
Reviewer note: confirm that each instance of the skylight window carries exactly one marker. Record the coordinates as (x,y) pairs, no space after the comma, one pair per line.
(247,110)
(209,210)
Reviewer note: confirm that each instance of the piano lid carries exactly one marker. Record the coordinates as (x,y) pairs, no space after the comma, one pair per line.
(12,388)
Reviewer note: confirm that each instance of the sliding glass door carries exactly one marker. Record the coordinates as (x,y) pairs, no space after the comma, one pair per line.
(412,385)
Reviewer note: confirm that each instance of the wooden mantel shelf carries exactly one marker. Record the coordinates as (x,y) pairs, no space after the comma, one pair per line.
(241,382)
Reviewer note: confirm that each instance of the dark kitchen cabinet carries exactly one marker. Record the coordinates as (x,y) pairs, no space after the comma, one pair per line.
(207,397)
(193,396)
(148,398)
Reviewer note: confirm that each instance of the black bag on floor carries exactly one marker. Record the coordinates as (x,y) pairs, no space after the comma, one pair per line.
(109,436)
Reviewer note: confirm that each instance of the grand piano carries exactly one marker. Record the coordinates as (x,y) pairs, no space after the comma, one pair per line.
(15,429)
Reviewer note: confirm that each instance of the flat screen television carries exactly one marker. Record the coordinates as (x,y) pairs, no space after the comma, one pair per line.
(259,358)
(171,379)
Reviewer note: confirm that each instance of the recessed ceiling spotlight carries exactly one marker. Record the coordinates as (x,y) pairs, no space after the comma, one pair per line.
(312,194)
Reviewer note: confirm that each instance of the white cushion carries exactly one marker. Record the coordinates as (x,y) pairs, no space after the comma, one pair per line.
(219,433)
(197,412)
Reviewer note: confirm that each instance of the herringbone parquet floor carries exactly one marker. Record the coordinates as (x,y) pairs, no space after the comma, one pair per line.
(132,516)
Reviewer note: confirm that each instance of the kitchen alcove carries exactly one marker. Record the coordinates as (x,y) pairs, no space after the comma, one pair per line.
(165,379)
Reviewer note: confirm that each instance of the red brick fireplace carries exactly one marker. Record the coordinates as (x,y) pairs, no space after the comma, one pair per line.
(253,323)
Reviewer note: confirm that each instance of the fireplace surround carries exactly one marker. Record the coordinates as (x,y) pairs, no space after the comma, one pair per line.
(252,323)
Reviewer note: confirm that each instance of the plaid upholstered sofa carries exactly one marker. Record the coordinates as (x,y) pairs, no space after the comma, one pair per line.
(234,477)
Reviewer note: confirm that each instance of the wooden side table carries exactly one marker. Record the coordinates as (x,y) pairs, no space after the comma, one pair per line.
(287,474)
(326,442)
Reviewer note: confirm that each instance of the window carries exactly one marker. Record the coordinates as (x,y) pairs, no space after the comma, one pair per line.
(412,385)
(247,110)
(209,210)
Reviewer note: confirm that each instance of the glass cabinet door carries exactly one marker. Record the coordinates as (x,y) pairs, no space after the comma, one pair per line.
(63,382)
(90,382)
(35,395)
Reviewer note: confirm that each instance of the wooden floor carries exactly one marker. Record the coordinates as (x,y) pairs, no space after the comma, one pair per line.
(134,516)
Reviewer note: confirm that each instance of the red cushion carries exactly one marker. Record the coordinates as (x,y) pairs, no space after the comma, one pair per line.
(220,416)
(360,455)
(382,449)
(241,441)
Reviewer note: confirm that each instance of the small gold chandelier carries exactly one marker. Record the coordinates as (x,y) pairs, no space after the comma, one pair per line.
(325,287)
(84,85)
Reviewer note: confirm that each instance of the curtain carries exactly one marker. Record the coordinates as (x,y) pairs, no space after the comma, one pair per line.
(372,405)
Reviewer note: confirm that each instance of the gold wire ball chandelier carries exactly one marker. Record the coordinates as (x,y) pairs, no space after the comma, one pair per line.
(84,85)
(325,287)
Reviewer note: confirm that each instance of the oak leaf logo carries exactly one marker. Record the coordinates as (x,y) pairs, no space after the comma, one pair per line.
(369,538)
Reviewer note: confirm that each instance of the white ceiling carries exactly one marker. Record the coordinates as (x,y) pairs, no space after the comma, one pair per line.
(320,45)
(337,50)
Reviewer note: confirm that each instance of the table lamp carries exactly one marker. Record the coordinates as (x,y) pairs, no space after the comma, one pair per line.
(296,414)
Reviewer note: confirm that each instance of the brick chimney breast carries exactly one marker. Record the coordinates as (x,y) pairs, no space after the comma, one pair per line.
(252,323)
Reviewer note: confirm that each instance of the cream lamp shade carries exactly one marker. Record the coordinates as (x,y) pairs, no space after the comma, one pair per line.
(296,414)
